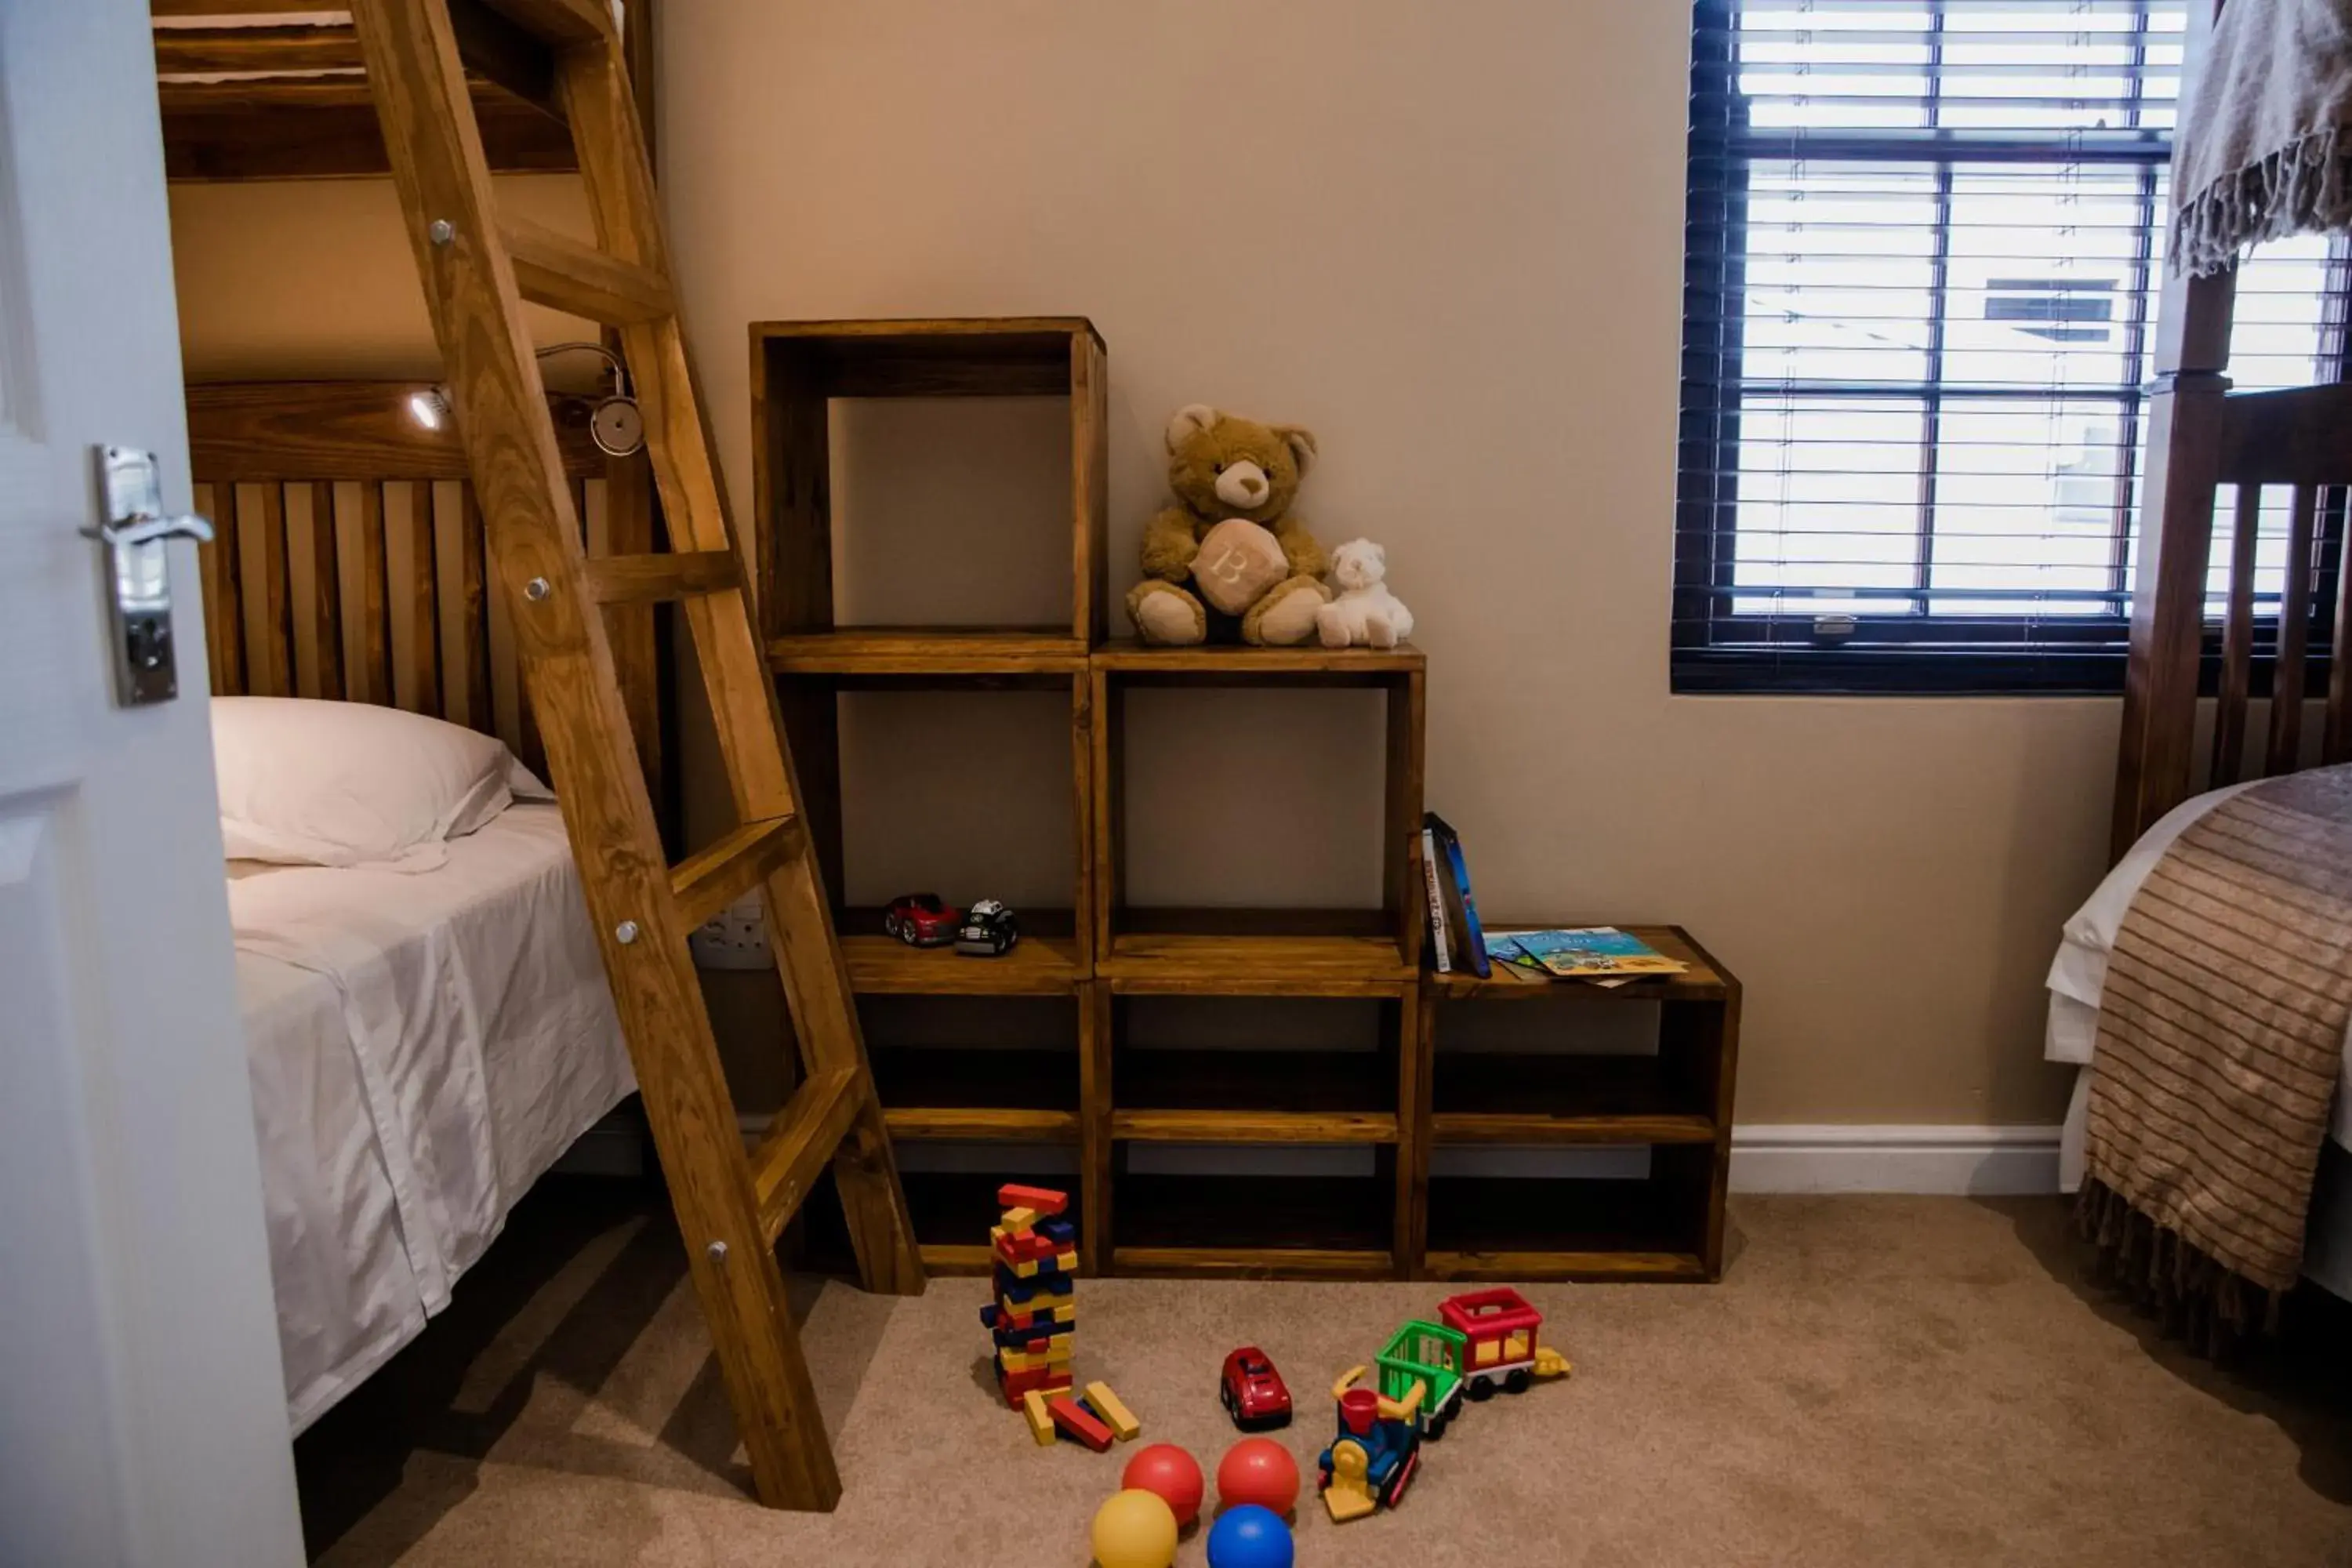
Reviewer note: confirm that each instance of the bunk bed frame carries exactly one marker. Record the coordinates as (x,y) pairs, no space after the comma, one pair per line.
(2202,436)
(274,89)
(521,569)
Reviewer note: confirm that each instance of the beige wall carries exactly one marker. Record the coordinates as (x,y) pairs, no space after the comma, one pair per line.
(1448,238)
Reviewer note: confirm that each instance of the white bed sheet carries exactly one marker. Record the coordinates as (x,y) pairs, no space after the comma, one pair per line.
(2078,976)
(421,1048)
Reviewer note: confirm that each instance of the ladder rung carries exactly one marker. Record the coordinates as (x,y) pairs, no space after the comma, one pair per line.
(556,270)
(646,579)
(800,1141)
(557,21)
(707,883)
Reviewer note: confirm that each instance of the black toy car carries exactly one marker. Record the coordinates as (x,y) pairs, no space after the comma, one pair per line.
(989,930)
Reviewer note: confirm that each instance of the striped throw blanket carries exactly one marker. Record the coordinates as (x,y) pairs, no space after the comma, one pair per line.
(2220,1038)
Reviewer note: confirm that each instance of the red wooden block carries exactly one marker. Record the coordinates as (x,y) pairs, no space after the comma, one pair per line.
(1044,1379)
(1019,1250)
(1044,1200)
(1071,1418)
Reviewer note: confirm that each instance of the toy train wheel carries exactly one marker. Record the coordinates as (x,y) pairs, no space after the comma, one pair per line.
(1481,1388)
(1520,1382)
(1394,1494)
(1437,1424)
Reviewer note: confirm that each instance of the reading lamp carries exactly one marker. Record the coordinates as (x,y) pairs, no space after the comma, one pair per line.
(615,423)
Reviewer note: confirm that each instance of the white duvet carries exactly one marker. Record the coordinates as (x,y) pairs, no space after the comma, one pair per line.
(2078,976)
(421,1048)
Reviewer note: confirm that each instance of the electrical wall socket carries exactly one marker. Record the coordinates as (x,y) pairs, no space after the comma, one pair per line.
(734,938)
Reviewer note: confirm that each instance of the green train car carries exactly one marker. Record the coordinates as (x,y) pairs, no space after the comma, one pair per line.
(1432,1357)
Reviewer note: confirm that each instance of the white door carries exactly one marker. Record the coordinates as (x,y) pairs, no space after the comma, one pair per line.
(142,1417)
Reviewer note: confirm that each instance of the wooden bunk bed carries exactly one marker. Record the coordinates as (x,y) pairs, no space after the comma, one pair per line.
(2203,989)
(482,565)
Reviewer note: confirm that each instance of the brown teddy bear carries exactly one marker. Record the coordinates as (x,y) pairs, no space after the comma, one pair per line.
(1233,535)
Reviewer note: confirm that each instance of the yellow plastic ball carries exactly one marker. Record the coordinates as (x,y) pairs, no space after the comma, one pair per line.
(1135,1529)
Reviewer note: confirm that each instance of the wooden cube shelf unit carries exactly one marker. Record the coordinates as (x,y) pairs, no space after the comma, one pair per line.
(1381,1113)
(1678,1102)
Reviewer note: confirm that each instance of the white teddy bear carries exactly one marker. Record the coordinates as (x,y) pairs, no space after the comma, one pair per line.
(1365,611)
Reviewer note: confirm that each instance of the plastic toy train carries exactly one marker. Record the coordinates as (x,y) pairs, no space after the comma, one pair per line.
(1486,1341)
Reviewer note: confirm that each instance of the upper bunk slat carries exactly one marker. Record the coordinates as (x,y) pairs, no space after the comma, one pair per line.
(292,128)
(199,51)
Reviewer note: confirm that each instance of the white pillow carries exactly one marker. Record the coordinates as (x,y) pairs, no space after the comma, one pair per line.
(305,782)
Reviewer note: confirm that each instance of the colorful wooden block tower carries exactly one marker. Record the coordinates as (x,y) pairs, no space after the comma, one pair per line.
(1034,1316)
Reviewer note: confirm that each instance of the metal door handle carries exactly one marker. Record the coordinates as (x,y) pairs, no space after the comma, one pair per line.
(150,530)
(133,530)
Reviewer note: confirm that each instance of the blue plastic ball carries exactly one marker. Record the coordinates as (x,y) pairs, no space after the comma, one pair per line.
(1249,1537)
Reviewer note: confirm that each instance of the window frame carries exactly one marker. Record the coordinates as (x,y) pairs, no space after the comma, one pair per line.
(1913,652)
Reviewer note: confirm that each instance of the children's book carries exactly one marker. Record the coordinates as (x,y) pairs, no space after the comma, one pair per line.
(1594,953)
(1511,963)
(1474,942)
(1435,879)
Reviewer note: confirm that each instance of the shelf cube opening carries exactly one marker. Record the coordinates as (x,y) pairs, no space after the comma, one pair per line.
(1536,1205)
(1294,1055)
(966,794)
(1603,1057)
(1262,811)
(1225,1199)
(1007,503)
(965,1053)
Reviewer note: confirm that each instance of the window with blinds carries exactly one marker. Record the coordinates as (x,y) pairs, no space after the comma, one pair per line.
(1925,242)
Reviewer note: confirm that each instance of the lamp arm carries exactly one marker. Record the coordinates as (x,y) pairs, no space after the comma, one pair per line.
(613,361)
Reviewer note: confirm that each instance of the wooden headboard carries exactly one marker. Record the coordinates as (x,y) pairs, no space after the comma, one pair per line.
(2297,443)
(350,560)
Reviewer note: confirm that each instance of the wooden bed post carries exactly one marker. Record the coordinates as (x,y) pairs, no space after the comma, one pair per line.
(2168,617)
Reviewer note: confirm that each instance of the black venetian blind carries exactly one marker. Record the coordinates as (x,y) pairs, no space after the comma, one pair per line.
(1924,239)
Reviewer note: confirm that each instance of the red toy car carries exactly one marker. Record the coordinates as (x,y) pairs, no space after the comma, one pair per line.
(920,920)
(1253,1392)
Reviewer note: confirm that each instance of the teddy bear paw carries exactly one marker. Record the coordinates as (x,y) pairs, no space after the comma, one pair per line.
(1172,619)
(1332,625)
(1378,631)
(1292,617)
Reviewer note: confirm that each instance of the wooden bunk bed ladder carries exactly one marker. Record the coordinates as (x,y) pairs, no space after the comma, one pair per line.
(478,269)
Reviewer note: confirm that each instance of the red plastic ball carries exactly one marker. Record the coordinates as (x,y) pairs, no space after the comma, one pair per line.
(1170,1472)
(1258,1470)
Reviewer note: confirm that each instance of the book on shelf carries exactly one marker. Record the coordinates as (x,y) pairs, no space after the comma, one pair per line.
(1601,954)
(1433,880)
(1439,839)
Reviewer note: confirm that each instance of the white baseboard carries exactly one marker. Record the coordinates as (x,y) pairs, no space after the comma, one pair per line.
(1946,1160)
(1989,1161)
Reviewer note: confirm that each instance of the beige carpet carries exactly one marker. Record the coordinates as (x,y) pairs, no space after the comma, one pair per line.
(1878,1381)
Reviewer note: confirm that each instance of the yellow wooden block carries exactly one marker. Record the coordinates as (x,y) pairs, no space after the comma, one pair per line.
(1040,1425)
(1018,1221)
(1114,1414)
(1035,1360)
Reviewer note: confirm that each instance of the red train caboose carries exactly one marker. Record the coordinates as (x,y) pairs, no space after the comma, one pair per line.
(1502,1329)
